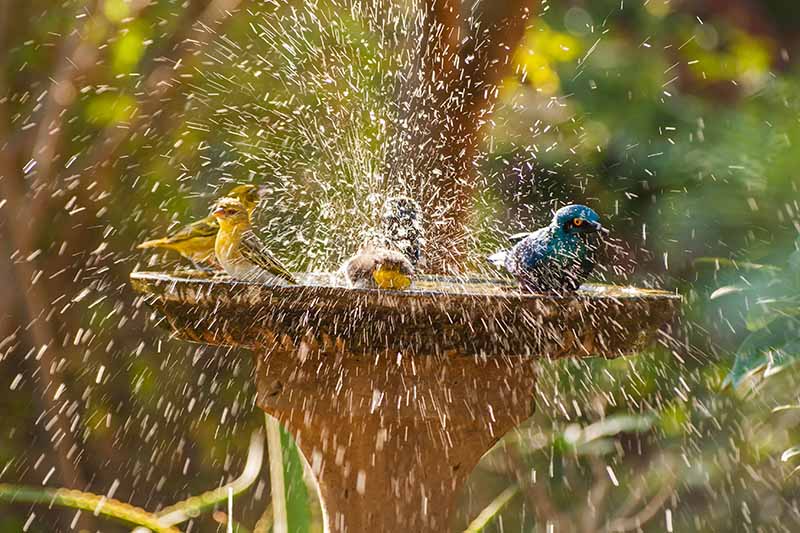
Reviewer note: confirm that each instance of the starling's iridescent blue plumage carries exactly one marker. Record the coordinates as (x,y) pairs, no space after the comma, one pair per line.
(557,258)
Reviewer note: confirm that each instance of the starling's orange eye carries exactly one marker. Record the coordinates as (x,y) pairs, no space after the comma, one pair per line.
(577,221)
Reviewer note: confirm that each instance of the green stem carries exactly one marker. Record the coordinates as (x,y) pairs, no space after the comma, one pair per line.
(264,524)
(280,519)
(86,501)
(230,525)
(186,509)
(492,510)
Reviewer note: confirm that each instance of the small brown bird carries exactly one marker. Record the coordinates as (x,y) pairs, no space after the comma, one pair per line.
(378,268)
(195,241)
(240,252)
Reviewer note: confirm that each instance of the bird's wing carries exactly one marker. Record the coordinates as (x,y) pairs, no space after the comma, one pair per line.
(534,250)
(206,227)
(514,239)
(573,280)
(535,243)
(254,251)
(202,229)
(498,259)
(587,265)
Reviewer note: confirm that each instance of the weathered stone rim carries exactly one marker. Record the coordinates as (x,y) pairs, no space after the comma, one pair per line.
(479,317)
(145,282)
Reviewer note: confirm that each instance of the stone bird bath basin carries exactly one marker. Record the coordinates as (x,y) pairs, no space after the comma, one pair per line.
(393,397)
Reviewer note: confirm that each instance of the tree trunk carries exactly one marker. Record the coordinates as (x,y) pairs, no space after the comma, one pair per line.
(446,100)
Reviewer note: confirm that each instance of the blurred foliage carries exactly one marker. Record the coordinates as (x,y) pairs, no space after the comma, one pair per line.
(677,120)
(769,300)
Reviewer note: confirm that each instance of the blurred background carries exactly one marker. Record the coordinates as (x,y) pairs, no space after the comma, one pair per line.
(678,121)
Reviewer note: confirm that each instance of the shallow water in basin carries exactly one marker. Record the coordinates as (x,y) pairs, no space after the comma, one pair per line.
(424,285)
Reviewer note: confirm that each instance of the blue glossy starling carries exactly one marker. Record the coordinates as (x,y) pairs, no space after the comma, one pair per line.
(557,258)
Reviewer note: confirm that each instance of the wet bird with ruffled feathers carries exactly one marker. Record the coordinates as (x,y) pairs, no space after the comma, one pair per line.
(240,251)
(391,252)
(195,241)
(557,258)
(378,268)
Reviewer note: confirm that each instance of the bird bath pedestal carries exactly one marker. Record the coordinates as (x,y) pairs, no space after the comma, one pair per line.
(393,397)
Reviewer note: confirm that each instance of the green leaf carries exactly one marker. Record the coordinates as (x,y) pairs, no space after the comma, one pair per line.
(791,452)
(128,49)
(673,419)
(491,511)
(782,358)
(290,502)
(761,350)
(597,448)
(616,424)
(86,501)
(738,265)
(724,291)
(298,505)
(108,108)
(594,439)
(786,407)
(765,312)
(794,258)
(196,505)
(749,357)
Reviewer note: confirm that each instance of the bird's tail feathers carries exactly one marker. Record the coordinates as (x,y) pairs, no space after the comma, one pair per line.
(155,243)
(498,259)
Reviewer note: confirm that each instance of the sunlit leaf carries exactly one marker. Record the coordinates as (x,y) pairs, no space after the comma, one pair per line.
(129,48)
(674,418)
(108,108)
(791,452)
(786,407)
(617,424)
(598,447)
(723,291)
(739,265)
(763,314)
(749,357)
(297,500)
(116,10)
(761,350)
(491,511)
(782,358)
(794,260)
(594,439)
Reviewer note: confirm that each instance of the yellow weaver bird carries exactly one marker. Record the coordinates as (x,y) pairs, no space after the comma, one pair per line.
(195,241)
(240,252)
(378,268)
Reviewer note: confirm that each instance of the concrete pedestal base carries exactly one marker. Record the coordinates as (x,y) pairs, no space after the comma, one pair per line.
(394,396)
(392,438)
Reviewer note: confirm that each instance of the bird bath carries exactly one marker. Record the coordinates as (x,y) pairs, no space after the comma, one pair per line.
(393,397)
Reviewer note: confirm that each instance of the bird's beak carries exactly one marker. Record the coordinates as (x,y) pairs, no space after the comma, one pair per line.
(599,228)
(218,212)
